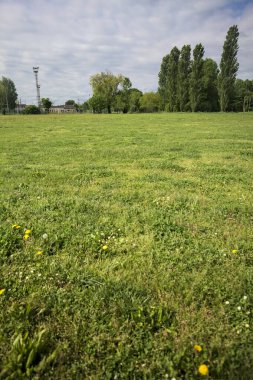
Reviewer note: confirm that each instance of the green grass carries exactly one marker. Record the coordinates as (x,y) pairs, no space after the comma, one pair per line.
(137,217)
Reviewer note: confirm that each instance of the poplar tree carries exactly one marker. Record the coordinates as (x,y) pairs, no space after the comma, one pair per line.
(172,79)
(163,80)
(196,78)
(183,77)
(228,69)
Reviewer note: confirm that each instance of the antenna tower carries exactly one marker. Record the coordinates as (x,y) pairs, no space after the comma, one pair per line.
(36,70)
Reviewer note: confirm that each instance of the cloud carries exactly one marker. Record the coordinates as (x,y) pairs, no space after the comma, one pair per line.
(71,40)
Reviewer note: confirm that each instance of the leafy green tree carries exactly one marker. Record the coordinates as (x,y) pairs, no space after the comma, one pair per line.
(134,100)
(125,93)
(97,104)
(196,78)
(31,110)
(85,106)
(184,67)
(8,94)
(122,99)
(150,102)
(243,100)
(46,103)
(71,102)
(172,79)
(210,101)
(228,69)
(163,80)
(118,103)
(105,85)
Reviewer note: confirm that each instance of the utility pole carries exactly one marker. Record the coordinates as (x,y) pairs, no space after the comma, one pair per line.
(36,70)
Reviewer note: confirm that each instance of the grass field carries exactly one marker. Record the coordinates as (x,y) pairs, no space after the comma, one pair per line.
(139,262)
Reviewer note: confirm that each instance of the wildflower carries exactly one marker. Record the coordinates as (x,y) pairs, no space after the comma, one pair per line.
(244,298)
(27,232)
(105,247)
(2,291)
(235,251)
(197,348)
(45,236)
(39,253)
(203,370)
(226,302)
(16,226)
(26,237)
(239,308)
(247,325)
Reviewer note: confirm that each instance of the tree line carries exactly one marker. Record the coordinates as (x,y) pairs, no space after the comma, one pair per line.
(196,84)
(187,82)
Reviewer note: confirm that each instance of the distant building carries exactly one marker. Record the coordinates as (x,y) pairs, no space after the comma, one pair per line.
(66,108)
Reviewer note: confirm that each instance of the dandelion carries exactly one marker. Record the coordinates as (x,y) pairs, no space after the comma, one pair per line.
(247,325)
(15,226)
(26,237)
(2,291)
(27,232)
(244,298)
(234,251)
(39,253)
(197,348)
(45,236)
(105,247)
(239,308)
(203,370)
(226,302)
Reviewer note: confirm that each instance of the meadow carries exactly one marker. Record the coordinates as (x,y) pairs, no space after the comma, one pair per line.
(126,246)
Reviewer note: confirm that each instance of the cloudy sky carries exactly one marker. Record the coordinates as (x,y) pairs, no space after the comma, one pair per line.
(72,39)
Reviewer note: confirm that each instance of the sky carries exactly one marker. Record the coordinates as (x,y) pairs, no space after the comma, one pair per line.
(70,40)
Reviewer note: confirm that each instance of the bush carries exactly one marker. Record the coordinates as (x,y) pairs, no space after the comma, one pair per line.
(31,110)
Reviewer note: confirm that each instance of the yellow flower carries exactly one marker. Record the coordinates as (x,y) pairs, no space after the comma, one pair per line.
(203,370)
(16,226)
(39,253)
(197,348)
(235,251)
(27,232)
(105,247)
(2,291)
(26,236)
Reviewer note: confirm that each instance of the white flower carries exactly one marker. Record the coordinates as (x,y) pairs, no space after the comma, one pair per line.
(239,308)
(247,325)
(244,298)
(45,236)
(227,303)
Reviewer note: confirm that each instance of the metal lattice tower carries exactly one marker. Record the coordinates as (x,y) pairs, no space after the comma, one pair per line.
(36,70)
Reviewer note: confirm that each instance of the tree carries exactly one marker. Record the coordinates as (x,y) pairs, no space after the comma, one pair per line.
(46,103)
(8,94)
(122,98)
(243,99)
(105,85)
(163,80)
(125,94)
(228,69)
(196,78)
(172,79)
(150,102)
(31,110)
(97,104)
(71,102)
(134,100)
(210,101)
(184,68)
